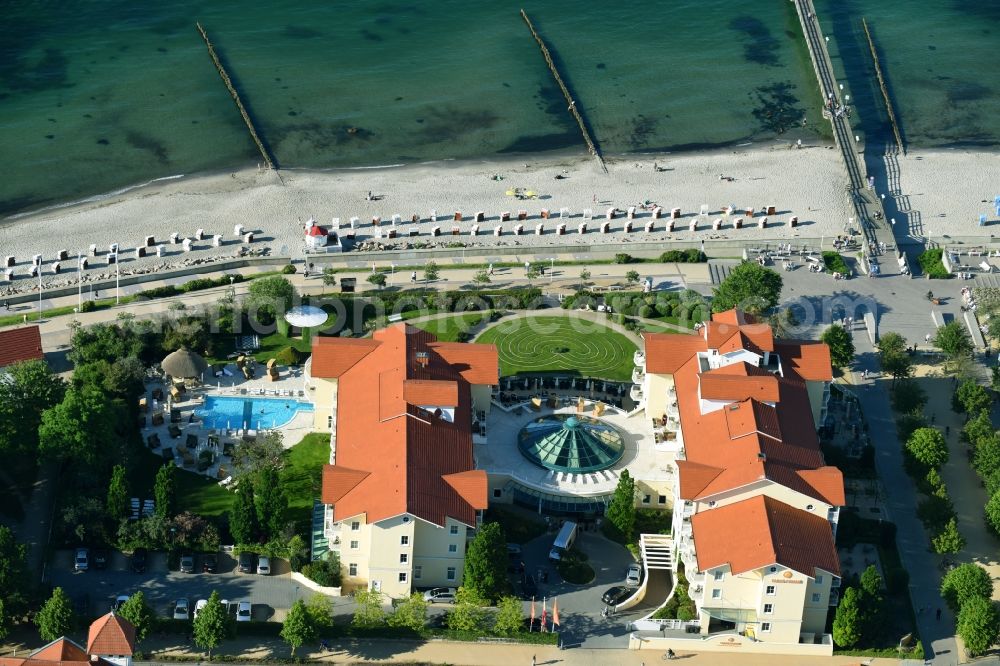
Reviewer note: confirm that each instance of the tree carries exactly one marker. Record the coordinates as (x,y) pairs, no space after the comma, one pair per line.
(872,601)
(783,322)
(584,276)
(164,491)
(271,502)
(431,271)
(927,446)
(978,625)
(621,511)
(992,511)
(29,389)
(509,617)
(13,571)
(320,608)
(953,340)
(986,457)
(410,613)
(469,613)
(481,277)
(55,619)
(978,428)
(964,582)
(750,287)
(243,516)
(841,345)
(192,532)
(532,273)
(907,396)
(79,428)
(212,624)
(329,277)
(270,297)
(5,621)
(486,563)
(117,504)
(632,277)
(848,620)
(893,356)
(187,333)
(298,628)
(377,279)
(949,540)
(138,612)
(368,611)
(251,458)
(972,397)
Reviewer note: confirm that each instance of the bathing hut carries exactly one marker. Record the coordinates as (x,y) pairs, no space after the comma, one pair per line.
(182,365)
(316,237)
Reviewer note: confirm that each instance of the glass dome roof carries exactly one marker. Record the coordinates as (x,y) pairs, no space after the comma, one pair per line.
(570,443)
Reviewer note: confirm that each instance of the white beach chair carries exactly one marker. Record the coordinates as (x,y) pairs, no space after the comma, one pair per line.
(717,224)
(605,227)
(560,229)
(588,214)
(199,234)
(694,225)
(564,213)
(498,231)
(474,231)
(675,213)
(582,229)
(518,229)
(650,226)
(396,219)
(631,212)
(539,229)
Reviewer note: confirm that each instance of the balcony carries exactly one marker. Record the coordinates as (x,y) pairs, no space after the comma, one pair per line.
(639,359)
(636,393)
(688,510)
(672,409)
(638,376)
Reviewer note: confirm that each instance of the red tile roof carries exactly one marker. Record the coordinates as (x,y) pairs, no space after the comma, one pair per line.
(430,392)
(666,352)
(60,652)
(332,357)
(413,462)
(810,360)
(734,317)
(316,230)
(762,531)
(20,344)
(111,635)
(732,387)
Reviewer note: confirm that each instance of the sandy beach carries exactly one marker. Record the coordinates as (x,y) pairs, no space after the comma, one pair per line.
(808,183)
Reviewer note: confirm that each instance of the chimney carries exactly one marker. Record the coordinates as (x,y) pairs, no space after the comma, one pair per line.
(423,358)
(761,456)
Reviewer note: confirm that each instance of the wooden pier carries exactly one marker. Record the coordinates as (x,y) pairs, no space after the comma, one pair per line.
(591,146)
(236,98)
(884,89)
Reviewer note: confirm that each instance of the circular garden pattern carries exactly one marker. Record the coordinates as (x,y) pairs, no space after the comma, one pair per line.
(532,345)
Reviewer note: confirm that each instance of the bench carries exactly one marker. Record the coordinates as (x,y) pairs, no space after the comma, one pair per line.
(393,318)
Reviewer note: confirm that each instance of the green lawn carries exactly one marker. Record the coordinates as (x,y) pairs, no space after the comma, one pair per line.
(269,346)
(561,344)
(196,493)
(447,329)
(302,475)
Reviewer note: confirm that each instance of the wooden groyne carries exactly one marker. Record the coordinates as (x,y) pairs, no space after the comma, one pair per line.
(236,98)
(884,89)
(591,146)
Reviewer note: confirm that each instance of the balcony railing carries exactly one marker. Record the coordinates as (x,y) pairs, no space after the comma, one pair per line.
(639,359)
(635,393)
(638,376)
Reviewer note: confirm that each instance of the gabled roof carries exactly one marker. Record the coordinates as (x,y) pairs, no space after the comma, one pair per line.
(477,364)
(111,635)
(734,317)
(316,230)
(393,457)
(20,344)
(61,649)
(332,357)
(760,532)
(695,477)
(748,417)
(733,387)
(810,360)
(727,337)
(666,352)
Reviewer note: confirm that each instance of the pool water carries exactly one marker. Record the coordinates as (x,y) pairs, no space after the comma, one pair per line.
(249,413)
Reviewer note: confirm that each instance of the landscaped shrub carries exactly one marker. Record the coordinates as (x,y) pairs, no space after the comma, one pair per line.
(623,258)
(325,572)
(835,263)
(87,306)
(288,270)
(931,264)
(290,356)
(691,256)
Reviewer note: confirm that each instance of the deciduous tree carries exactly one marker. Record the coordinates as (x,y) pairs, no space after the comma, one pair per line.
(509,617)
(117,504)
(377,279)
(893,356)
(298,627)
(750,287)
(841,345)
(848,621)
(953,340)
(138,612)
(55,618)
(978,625)
(431,271)
(270,297)
(79,428)
(469,613)
(949,540)
(271,502)
(621,510)
(964,582)
(927,446)
(971,397)
(251,458)
(212,624)
(486,563)
(992,511)
(632,277)
(30,388)
(410,613)
(368,610)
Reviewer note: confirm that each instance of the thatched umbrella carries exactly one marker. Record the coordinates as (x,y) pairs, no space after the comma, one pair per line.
(184,364)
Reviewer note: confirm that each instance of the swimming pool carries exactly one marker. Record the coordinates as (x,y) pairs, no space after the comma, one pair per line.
(251,413)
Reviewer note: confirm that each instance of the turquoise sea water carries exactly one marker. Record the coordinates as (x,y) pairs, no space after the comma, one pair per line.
(104,94)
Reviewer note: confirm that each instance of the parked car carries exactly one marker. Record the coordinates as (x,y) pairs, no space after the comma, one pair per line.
(528,587)
(264,566)
(440,595)
(139,560)
(99,558)
(244,612)
(201,603)
(209,563)
(514,551)
(82,560)
(248,562)
(187,563)
(119,600)
(633,575)
(615,595)
(181,610)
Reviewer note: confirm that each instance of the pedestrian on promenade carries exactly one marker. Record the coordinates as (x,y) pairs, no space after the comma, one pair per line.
(937,616)
(532,660)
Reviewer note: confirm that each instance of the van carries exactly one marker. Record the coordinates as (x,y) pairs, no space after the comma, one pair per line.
(564,541)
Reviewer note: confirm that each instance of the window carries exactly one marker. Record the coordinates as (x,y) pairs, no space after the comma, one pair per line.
(354,545)
(815,597)
(355,526)
(402,576)
(329,422)
(417,571)
(765,627)
(716,593)
(452,548)
(403,558)
(454,529)
(451,573)
(809,507)
(768,609)
(773,569)
(352,569)
(769,590)
(662,499)
(718,575)
(819,579)
(711,504)
(497,492)
(404,540)
(646,499)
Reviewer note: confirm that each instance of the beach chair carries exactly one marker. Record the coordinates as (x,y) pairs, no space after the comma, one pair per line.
(414,231)
(738,224)
(631,212)
(539,229)
(771,210)
(391,233)
(505,216)
(627,228)
(762,222)
(10,261)
(498,231)
(588,214)
(522,215)
(237,231)
(396,219)
(657,213)
(650,226)
(693,226)
(455,231)
(248,237)
(480,216)
(675,213)
(545,213)
(436,231)
(458,216)
(610,214)
(794,221)
(748,212)
(474,231)
(140,252)
(518,229)
(217,240)
(605,227)
(415,218)
(564,213)
(434,215)
(560,229)
(582,228)
(199,234)
(670,226)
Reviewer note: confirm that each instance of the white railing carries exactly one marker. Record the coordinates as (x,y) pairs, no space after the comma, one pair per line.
(635,393)
(639,359)
(638,376)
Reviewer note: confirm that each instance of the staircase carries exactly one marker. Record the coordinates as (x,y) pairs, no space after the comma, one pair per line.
(657,551)
(720,270)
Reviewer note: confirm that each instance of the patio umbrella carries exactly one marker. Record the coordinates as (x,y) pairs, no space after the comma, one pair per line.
(184,364)
(510,193)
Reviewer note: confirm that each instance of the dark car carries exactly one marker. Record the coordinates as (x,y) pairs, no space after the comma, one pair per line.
(248,562)
(209,563)
(615,595)
(528,587)
(100,558)
(139,560)
(187,563)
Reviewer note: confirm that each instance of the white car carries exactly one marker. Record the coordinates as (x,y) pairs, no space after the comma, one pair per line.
(198,606)
(119,600)
(181,610)
(243,612)
(440,595)
(633,575)
(264,566)
(82,560)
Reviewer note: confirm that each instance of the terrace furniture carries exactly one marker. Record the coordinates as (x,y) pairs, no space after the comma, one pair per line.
(158,418)
(167,453)
(175,416)
(157,394)
(174,431)
(153,441)
(192,441)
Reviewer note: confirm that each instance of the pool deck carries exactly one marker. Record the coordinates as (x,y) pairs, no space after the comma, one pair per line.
(290,380)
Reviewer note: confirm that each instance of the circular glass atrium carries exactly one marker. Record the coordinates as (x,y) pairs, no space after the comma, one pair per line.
(570,443)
